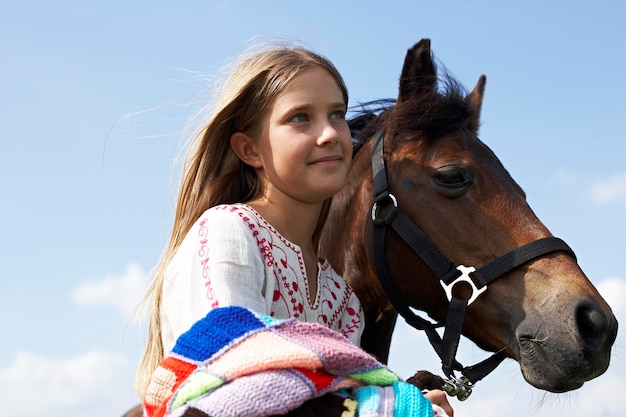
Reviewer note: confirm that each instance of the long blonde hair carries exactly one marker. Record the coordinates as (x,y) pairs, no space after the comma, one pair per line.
(213,174)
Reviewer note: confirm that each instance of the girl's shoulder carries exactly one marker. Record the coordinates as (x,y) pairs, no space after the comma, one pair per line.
(237,213)
(239,220)
(237,216)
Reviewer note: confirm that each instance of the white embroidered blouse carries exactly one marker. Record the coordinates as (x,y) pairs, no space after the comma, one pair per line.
(232,256)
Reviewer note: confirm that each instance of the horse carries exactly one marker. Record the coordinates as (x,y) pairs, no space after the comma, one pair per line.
(542,312)
(431,220)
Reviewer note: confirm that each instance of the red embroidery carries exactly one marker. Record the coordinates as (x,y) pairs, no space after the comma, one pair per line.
(203,253)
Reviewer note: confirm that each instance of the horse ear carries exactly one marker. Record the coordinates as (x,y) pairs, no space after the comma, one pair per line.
(475,100)
(418,72)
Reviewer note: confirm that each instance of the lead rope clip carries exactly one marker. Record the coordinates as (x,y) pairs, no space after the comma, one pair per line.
(460,388)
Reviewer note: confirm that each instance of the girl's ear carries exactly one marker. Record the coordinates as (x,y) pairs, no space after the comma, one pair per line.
(245,149)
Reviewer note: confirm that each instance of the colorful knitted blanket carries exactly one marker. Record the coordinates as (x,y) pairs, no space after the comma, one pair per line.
(235,363)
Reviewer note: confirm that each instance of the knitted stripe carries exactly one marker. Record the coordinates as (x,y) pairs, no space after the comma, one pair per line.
(339,355)
(261,394)
(368,399)
(261,351)
(197,384)
(380,376)
(350,406)
(388,401)
(207,336)
(321,379)
(166,379)
(375,401)
(410,402)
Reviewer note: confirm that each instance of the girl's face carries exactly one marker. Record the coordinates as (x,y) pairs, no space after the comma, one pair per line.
(305,147)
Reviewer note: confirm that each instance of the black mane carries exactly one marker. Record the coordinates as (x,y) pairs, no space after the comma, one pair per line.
(368,118)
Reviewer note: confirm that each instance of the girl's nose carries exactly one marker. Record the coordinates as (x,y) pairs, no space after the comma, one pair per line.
(329,134)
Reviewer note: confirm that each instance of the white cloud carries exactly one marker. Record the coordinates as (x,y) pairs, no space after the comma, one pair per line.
(614,292)
(122,292)
(94,384)
(610,190)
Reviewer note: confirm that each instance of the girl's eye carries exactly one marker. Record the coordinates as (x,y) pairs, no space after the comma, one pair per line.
(299,118)
(340,114)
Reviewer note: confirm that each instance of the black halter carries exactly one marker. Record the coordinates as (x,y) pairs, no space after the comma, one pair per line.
(448,274)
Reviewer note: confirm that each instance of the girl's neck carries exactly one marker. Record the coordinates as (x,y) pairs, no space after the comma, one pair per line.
(295,220)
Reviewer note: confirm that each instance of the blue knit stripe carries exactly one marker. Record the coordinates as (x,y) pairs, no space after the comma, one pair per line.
(368,399)
(215,331)
(410,402)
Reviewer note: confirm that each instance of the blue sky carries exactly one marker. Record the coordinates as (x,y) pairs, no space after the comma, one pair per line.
(94,95)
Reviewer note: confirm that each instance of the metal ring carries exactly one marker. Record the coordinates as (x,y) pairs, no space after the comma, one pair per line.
(375,205)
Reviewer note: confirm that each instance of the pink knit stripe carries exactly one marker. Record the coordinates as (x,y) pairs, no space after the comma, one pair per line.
(339,355)
(263,350)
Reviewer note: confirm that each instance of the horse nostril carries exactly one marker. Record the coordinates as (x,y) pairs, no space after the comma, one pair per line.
(594,327)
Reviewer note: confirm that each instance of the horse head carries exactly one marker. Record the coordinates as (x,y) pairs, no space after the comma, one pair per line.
(544,313)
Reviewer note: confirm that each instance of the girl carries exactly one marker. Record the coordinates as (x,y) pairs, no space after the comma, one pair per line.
(255,190)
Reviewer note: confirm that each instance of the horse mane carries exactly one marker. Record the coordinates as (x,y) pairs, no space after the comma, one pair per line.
(434,113)
(367,119)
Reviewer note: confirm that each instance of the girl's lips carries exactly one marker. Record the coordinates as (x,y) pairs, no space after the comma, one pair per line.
(327,160)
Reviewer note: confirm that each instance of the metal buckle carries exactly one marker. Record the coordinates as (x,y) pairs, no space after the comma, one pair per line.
(465,277)
(460,388)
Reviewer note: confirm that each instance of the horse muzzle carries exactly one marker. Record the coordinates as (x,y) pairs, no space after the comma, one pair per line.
(576,349)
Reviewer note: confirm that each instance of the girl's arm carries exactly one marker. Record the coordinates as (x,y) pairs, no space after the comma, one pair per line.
(218,264)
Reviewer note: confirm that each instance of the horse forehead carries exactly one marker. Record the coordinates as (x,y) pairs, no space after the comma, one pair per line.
(463,146)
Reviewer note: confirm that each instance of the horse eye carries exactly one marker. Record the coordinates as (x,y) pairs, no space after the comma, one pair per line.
(453,178)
